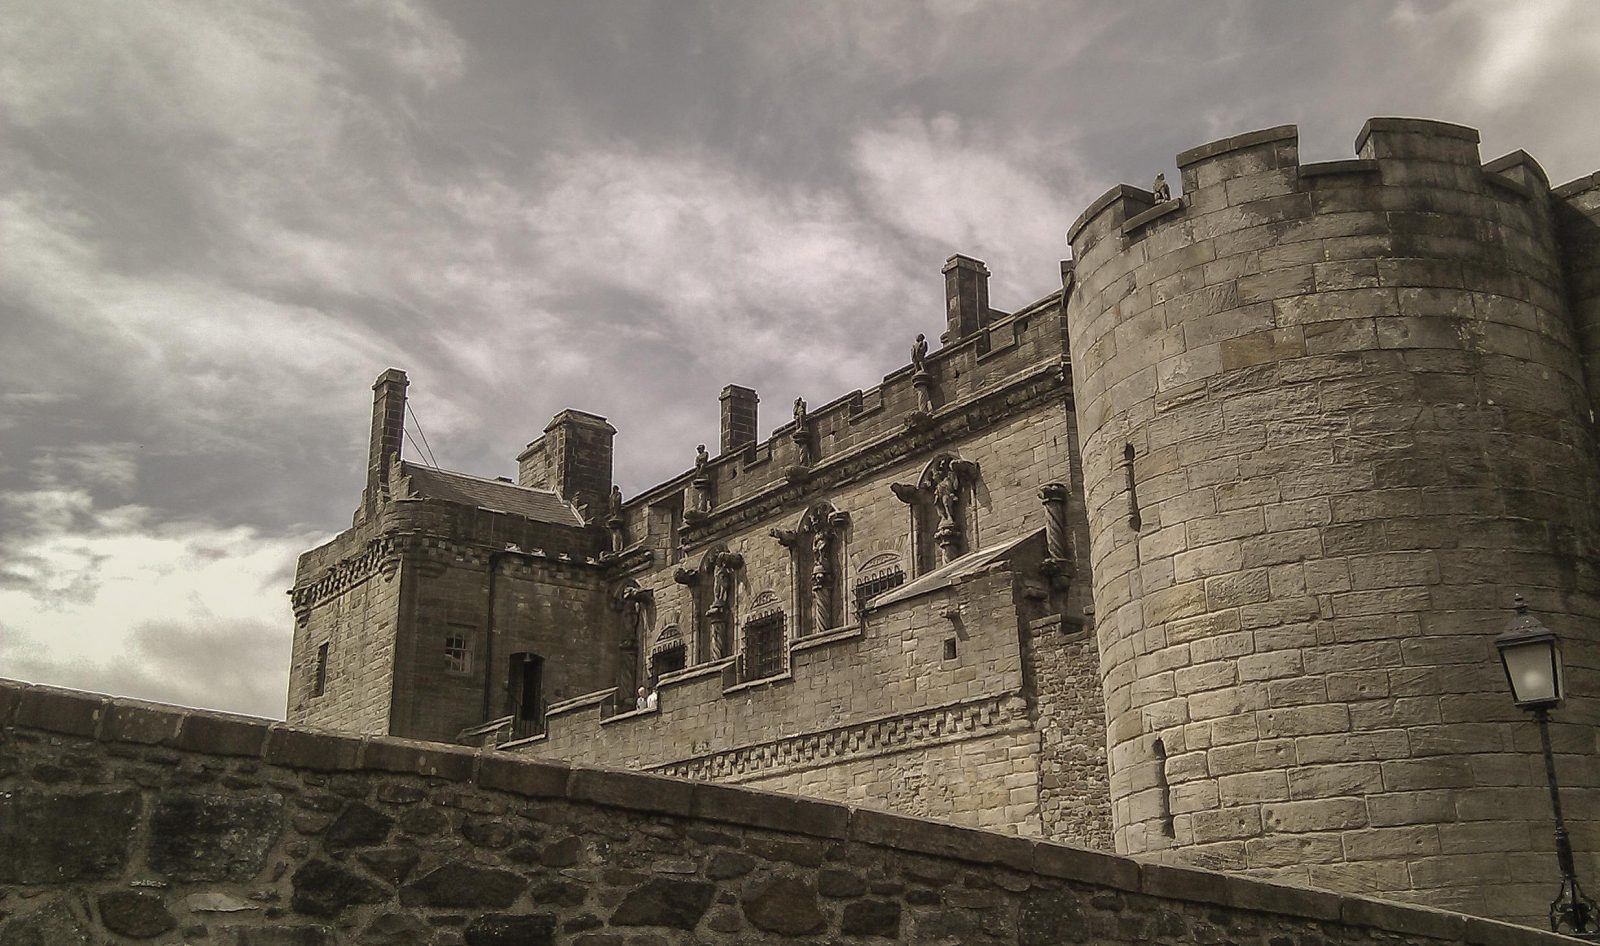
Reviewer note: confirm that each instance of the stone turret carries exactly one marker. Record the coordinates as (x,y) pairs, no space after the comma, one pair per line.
(1333,416)
(573,458)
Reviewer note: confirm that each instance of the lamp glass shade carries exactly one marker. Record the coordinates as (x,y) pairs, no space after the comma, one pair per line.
(1533,669)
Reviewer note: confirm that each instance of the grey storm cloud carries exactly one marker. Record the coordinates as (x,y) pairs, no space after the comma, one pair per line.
(218,222)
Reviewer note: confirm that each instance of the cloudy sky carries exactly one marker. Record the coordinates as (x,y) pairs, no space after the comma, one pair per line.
(221,219)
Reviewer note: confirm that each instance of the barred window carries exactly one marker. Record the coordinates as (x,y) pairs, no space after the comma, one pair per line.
(457,658)
(667,660)
(877,583)
(763,642)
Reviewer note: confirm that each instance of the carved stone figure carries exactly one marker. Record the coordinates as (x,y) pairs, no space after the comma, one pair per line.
(1160,189)
(821,578)
(919,353)
(724,565)
(946,492)
(615,523)
(701,460)
(801,435)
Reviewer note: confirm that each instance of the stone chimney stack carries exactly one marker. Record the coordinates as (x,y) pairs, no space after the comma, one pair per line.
(573,457)
(966,294)
(738,417)
(388,429)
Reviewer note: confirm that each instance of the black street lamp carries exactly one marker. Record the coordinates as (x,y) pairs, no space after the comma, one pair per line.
(1531,655)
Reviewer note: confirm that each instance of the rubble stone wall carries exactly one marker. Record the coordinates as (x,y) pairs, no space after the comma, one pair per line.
(131,823)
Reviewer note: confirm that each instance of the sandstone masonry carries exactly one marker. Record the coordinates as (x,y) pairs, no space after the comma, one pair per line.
(1218,588)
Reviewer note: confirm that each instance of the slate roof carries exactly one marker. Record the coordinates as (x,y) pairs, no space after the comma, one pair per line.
(537,504)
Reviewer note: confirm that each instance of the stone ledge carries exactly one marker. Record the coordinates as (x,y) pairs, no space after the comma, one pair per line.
(1249,139)
(1518,159)
(1116,193)
(67,712)
(1154,213)
(1347,166)
(1577,186)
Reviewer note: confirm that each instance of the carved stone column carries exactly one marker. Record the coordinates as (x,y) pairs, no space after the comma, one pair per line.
(1057,536)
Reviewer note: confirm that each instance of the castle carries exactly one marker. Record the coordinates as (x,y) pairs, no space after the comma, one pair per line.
(1199,558)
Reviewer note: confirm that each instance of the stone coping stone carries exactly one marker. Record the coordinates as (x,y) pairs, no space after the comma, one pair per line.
(1577,186)
(1249,139)
(1116,193)
(1515,159)
(93,716)
(1347,166)
(1154,213)
(1415,126)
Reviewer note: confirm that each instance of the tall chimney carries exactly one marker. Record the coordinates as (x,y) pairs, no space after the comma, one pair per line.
(966,293)
(572,457)
(738,417)
(388,429)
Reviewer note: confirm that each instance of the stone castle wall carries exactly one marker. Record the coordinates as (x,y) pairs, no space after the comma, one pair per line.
(872,709)
(130,822)
(1333,416)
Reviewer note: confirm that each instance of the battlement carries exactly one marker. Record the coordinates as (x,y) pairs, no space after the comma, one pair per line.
(1003,352)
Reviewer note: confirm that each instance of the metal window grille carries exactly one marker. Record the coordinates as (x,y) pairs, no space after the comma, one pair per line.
(876,584)
(763,653)
(457,659)
(667,660)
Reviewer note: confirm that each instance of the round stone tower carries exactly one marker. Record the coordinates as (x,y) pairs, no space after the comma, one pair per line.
(1333,417)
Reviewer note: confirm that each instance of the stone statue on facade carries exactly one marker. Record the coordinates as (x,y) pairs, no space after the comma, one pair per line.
(724,568)
(950,478)
(698,507)
(821,579)
(801,435)
(615,523)
(922,381)
(1160,189)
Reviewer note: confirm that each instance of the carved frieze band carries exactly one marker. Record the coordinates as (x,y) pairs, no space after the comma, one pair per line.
(382,555)
(952,722)
(1022,393)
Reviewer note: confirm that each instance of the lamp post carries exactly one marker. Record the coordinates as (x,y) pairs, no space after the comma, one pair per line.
(1531,655)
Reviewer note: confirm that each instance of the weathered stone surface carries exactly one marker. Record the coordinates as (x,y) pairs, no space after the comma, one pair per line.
(678,904)
(134,914)
(871,918)
(562,853)
(283,935)
(358,825)
(1049,917)
(785,905)
(464,885)
(48,837)
(397,929)
(832,882)
(393,865)
(51,925)
(324,888)
(213,837)
(537,929)
(726,864)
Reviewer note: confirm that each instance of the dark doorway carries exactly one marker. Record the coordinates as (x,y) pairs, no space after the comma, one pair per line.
(525,694)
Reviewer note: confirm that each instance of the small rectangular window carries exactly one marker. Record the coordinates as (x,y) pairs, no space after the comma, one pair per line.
(763,641)
(319,685)
(876,584)
(457,658)
(950,648)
